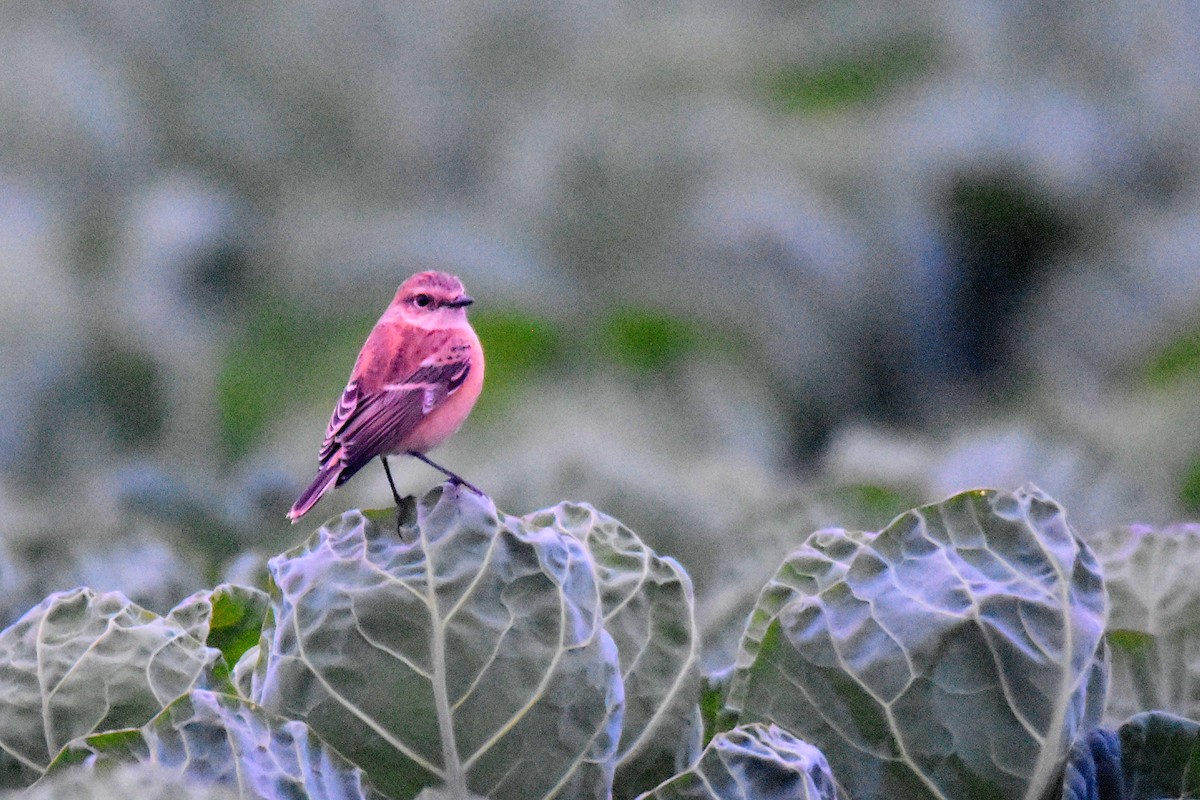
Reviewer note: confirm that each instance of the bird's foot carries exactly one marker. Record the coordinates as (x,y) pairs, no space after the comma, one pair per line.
(406,517)
(457,481)
(454,479)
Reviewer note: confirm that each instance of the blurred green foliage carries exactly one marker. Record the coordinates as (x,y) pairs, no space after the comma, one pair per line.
(648,341)
(1180,358)
(1004,229)
(854,78)
(221,274)
(283,355)
(286,355)
(1130,641)
(869,507)
(984,207)
(517,347)
(125,387)
(1189,491)
(94,242)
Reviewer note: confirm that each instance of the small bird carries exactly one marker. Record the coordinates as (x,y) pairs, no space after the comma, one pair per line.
(412,386)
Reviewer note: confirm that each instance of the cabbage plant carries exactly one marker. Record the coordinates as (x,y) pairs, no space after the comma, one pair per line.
(465,652)
(958,652)
(81,662)
(460,653)
(752,761)
(1154,628)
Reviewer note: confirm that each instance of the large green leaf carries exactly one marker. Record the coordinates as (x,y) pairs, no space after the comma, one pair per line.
(649,610)
(1154,628)
(82,662)
(956,653)
(753,762)
(220,740)
(467,652)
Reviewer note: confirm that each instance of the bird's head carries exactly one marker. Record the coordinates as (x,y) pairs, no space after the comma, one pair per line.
(432,300)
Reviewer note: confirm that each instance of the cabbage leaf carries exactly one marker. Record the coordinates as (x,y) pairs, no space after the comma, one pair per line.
(753,762)
(649,611)
(957,653)
(1154,755)
(218,740)
(1154,628)
(463,651)
(81,662)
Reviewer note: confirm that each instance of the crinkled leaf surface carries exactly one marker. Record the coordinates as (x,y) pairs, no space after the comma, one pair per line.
(1160,756)
(1154,626)
(81,662)
(214,739)
(242,675)
(466,652)
(229,618)
(1094,768)
(1154,755)
(649,610)
(956,653)
(753,762)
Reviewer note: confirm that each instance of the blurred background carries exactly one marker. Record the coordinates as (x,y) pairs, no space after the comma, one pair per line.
(742,270)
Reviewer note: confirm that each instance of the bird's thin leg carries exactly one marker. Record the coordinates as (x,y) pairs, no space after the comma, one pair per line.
(455,479)
(391,483)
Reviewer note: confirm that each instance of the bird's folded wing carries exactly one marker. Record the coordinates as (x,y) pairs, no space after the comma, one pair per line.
(347,405)
(368,426)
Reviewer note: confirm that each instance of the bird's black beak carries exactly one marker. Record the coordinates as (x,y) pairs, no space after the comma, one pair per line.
(461,301)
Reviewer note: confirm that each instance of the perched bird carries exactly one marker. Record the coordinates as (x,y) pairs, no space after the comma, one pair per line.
(415,381)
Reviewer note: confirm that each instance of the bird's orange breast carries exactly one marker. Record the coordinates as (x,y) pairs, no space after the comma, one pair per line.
(448,417)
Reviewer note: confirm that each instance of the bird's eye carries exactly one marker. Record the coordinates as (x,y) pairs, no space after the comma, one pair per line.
(423,300)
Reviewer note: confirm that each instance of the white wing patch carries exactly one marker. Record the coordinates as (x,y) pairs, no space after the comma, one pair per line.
(431,393)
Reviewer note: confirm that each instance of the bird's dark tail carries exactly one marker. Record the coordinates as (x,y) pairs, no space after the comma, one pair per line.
(309,497)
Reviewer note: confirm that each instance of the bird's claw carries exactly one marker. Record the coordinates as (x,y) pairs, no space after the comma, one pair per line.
(457,481)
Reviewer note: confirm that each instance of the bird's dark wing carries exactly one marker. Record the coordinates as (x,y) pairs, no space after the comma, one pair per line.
(372,425)
(346,407)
